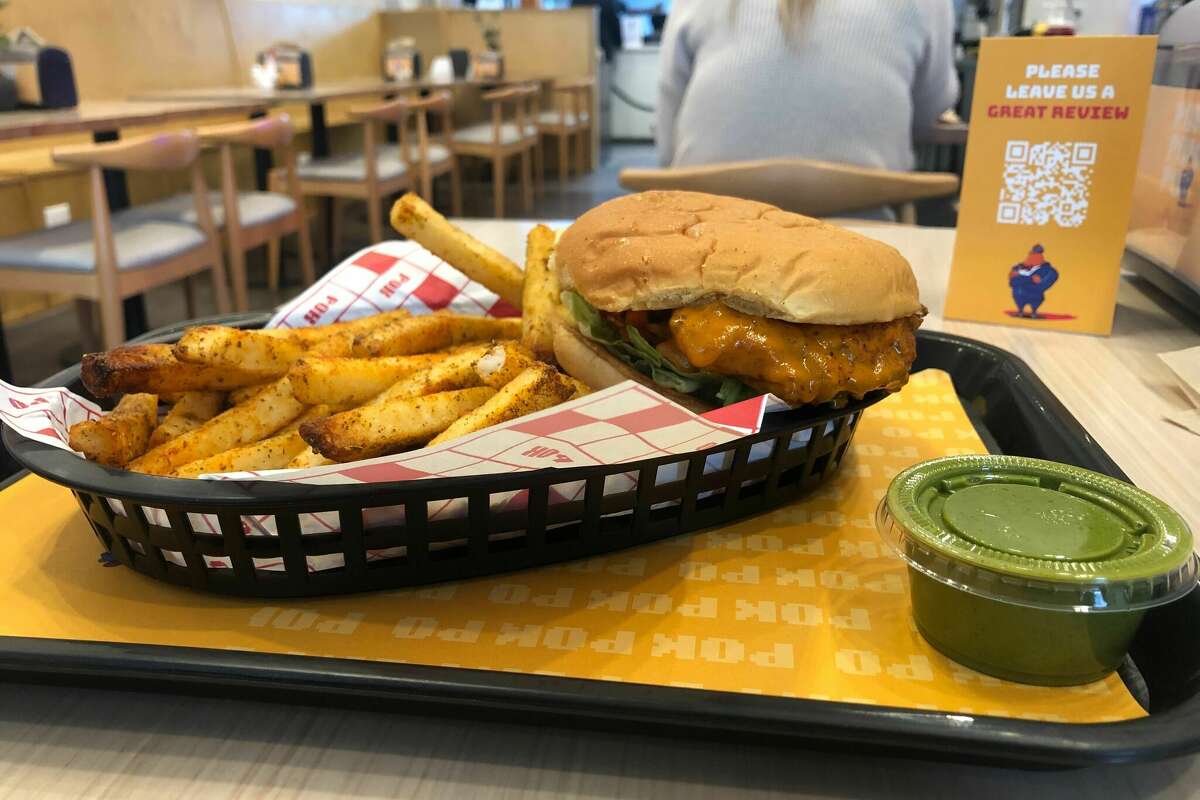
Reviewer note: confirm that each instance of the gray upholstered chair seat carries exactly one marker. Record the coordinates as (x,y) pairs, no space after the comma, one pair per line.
(254,208)
(555,118)
(437,153)
(352,166)
(140,242)
(483,133)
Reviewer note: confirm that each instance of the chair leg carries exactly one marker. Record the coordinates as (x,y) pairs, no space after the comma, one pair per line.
(85,313)
(527,180)
(427,184)
(375,217)
(564,156)
(455,190)
(191,309)
(112,320)
(220,280)
(304,234)
(335,227)
(581,152)
(274,256)
(498,186)
(539,164)
(237,272)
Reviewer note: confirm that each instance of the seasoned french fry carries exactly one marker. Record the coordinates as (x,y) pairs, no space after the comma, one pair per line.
(389,427)
(273,453)
(538,387)
(310,337)
(417,220)
(456,371)
(258,417)
(433,332)
(119,436)
(502,362)
(191,411)
(349,380)
(308,458)
(540,298)
(340,344)
(241,395)
(154,368)
(313,412)
(219,346)
(580,387)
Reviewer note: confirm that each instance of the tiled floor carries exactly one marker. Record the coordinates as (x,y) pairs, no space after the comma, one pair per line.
(41,345)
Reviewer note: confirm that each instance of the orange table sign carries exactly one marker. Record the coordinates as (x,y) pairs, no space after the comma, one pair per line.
(804,601)
(1056,124)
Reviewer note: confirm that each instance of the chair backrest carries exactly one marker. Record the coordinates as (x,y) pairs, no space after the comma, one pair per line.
(177,150)
(572,97)
(440,103)
(268,133)
(523,98)
(815,188)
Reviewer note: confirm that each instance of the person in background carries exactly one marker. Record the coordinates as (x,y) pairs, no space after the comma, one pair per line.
(849,81)
(609,24)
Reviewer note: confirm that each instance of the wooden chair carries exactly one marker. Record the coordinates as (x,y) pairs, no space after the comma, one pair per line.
(569,119)
(434,156)
(120,254)
(815,188)
(250,219)
(255,218)
(374,174)
(501,140)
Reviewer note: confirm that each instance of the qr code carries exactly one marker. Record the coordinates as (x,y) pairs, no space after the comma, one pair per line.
(1046,181)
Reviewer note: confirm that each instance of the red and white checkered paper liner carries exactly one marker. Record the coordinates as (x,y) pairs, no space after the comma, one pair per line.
(623,423)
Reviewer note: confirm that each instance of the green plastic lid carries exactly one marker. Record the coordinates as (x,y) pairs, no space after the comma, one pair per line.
(1038,533)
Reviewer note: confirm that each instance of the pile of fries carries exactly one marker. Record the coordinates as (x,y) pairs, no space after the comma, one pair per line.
(230,400)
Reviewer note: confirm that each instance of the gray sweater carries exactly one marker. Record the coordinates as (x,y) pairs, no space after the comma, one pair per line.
(850,83)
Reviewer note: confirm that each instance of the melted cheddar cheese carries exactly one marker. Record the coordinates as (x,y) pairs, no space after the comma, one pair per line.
(799,363)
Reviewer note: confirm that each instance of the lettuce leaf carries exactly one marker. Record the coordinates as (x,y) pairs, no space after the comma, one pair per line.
(634,350)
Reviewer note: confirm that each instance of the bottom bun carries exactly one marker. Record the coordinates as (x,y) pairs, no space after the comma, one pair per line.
(599,369)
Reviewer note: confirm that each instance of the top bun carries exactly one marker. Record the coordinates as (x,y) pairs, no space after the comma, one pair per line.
(657,250)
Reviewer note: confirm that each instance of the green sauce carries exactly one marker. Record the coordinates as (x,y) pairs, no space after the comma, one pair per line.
(1030,570)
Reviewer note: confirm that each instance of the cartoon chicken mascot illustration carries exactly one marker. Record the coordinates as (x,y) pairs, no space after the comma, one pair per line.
(1030,280)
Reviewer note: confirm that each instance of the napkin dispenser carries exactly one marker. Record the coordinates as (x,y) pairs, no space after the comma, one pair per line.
(43,77)
(293,65)
(402,60)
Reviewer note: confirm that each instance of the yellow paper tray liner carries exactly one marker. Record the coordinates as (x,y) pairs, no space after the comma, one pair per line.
(805,601)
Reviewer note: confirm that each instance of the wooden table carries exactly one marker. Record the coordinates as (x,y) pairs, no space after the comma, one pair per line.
(108,116)
(315,96)
(77,742)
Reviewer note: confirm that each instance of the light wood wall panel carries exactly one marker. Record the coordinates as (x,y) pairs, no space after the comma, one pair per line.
(559,43)
(123,46)
(343,37)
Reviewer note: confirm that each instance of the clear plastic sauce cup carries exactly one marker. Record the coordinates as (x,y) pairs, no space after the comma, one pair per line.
(1030,570)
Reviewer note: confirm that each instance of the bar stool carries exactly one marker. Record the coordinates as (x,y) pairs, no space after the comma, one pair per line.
(570,118)
(371,175)
(501,140)
(250,219)
(120,254)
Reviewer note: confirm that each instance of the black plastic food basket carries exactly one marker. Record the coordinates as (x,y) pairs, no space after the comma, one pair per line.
(1013,412)
(149,529)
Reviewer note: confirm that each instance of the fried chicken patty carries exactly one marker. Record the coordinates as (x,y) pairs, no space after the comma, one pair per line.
(799,363)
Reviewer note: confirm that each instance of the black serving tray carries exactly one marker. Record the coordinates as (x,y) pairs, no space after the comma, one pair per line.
(1014,413)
